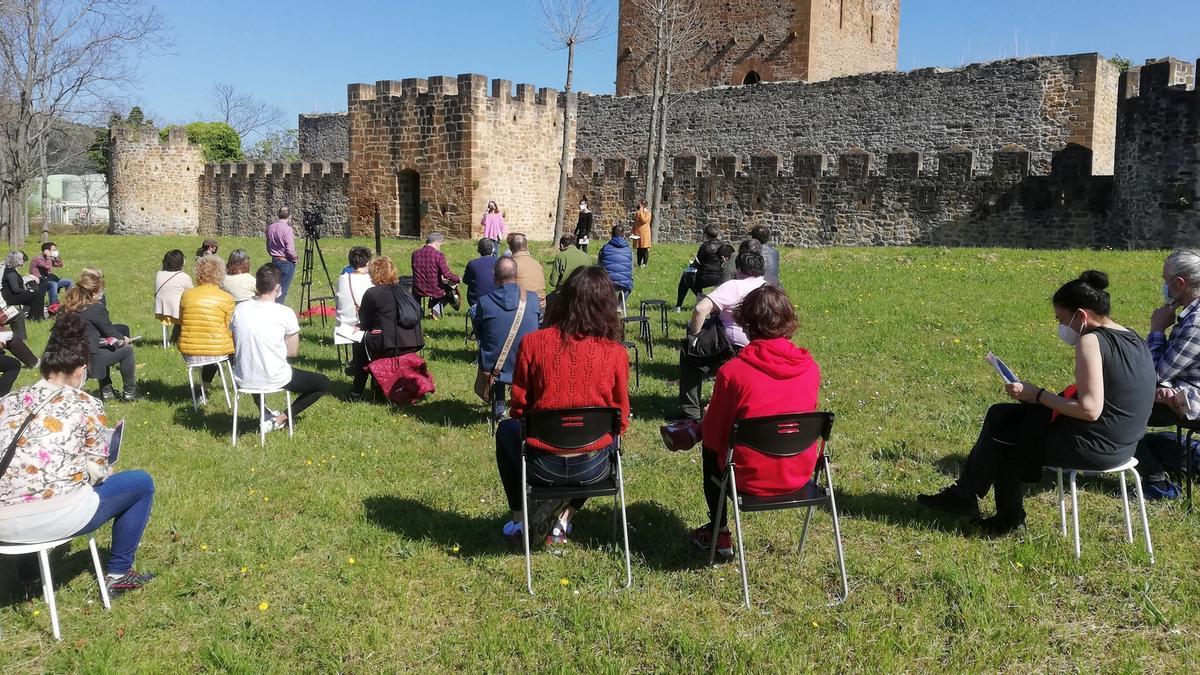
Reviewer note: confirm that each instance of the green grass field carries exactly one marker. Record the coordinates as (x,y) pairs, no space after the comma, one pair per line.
(371,541)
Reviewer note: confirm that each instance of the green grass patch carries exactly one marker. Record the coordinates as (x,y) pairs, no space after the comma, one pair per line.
(373,536)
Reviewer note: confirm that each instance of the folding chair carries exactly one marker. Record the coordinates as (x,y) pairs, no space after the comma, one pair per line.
(1191,426)
(781,436)
(570,429)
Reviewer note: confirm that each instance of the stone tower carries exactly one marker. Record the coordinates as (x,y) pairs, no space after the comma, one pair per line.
(749,41)
(153,185)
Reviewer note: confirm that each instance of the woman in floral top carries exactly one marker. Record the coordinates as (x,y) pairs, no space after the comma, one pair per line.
(59,484)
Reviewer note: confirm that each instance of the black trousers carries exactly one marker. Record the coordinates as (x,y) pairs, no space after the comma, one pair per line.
(692,372)
(1157,457)
(309,385)
(10,368)
(643,256)
(1010,445)
(712,490)
(123,358)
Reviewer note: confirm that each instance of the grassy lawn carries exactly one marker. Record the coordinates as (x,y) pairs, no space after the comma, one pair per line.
(371,541)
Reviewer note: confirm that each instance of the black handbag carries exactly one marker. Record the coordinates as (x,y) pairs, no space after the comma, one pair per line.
(710,342)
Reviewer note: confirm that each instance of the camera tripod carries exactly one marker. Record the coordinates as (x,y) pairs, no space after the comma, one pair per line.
(312,244)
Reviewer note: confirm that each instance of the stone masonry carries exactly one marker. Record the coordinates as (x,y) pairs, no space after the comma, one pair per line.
(765,40)
(324,137)
(241,199)
(152,184)
(428,154)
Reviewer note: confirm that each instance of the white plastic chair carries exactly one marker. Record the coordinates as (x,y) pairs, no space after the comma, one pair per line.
(42,551)
(262,410)
(1129,466)
(203,398)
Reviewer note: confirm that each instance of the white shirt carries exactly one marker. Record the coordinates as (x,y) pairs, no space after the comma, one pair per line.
(259,329)
(240,286)
(350,289)
(727,297)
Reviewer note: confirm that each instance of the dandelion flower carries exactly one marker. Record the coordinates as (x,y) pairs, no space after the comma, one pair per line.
(203,547)
(816,625)
(37,612)
(266,499)
(456,548)
(244,570)
(264,606)
(564,581)
(350,560)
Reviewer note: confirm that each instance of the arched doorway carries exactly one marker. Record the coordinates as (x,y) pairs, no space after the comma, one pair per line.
(408,203)
(752,77)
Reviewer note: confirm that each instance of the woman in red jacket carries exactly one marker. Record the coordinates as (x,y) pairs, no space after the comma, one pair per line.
(770,376)
(577,361)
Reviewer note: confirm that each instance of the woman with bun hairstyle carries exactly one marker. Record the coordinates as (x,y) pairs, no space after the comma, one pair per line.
(1094,424)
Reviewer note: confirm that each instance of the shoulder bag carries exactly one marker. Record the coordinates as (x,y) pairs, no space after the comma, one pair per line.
(12,445)
(484,379)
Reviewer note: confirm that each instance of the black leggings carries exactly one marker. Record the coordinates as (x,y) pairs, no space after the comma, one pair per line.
(10,368)
(686,281)
(310,387)
(712,490)
(123,358)
(643,256)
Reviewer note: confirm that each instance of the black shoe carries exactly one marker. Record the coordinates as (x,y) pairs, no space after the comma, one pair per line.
(131,581)
(107,393)
(998,525)
(947,501)
(130,395)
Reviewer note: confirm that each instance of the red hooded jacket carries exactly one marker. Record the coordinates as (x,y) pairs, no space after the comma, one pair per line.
(768,377)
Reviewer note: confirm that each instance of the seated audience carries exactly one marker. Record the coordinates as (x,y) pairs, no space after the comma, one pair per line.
(432,277)
(10,368)
(42,268)
(570,258)
(710,260)
(59,484)
(530,276)
(494,319)
(238,282)
(762,234)
(390,319)
(206,312)
(577,361)
(169,285)
(770,376)
(714,335)
(617,259)
(478,275)
(1095,424)
(209,247)
(351,286)
(15,292)
(1177,366)
(265,335)
(108,343)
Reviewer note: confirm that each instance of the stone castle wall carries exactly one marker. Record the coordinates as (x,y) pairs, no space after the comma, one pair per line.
(1041,104)
(152,183)
(241,199)
(429,153)
(324,137)
(1157,193)
(861,200)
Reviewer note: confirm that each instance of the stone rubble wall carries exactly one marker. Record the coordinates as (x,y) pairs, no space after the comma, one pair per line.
(324,137)
(152,183)
(241,199)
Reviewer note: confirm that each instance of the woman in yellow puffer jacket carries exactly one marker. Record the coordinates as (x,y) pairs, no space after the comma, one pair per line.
(206,312)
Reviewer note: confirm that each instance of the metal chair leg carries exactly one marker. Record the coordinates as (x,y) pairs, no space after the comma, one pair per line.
(1191,467)
(48,591)
(741,549)
(716,523)
(224,384)
(624,521)
(804,532)
(1125,508)
(837,534)
(1137,484)
(525,526)
(288,396)
(1062,504)
(262,417)
(192,389)
(99,573)
(1075,513)
(233,441)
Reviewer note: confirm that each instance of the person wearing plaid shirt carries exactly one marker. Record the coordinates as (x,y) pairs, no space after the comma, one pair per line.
(432,277)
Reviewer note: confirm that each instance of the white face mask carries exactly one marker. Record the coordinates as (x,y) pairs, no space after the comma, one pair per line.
(1067,334)
(54,254)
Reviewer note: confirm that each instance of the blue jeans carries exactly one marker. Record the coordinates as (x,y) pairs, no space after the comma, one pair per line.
(287,270)
(545,469)
(125,499)
(53,287)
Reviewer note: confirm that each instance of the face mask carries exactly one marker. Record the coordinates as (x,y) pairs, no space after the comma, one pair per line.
(1067,334)
(1167,294)
(53,254)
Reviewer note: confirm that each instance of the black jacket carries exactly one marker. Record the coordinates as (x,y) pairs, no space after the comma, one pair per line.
(391,318)
(583,227)
(14,291)
(97,325)
(709,265)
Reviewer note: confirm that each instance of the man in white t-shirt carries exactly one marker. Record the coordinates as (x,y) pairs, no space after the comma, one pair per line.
(699,358)
(265,334)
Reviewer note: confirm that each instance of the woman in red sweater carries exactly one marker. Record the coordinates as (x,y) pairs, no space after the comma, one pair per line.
(577,361)
(770,376)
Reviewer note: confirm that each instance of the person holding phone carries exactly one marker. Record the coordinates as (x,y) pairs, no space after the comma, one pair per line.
(1094,425)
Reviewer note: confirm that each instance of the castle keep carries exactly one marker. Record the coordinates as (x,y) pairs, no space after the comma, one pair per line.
(831,147)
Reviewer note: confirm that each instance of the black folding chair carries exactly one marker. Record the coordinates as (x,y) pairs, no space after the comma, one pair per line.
(1182,424)
(570,429)
(781,436)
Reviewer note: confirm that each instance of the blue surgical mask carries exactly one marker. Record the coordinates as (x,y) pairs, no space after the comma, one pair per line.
(1167,293)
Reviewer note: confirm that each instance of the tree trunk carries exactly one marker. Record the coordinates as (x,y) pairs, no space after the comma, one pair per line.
(660,150)
(45,190)
(560,211)
(655,109)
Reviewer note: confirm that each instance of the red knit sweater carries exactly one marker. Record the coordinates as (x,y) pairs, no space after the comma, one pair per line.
(553,373)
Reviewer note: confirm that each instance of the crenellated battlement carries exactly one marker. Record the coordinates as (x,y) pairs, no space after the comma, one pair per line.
(467,89)
(240,198)
(1158,75)
(251,169)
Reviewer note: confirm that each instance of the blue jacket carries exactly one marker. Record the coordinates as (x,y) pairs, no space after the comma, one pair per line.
(479,278)
(617,259)
(494,318)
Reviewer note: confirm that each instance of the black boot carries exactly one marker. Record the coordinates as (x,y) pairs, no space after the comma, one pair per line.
(949,501)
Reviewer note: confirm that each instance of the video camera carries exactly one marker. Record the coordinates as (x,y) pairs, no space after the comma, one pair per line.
(312,224)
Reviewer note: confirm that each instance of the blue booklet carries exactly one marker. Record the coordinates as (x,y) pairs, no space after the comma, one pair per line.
(1002,369)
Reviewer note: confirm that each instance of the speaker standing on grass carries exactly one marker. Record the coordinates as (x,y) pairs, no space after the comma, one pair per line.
(265,335)
(281,247)
(1094,425)
(642,235)
(55,480)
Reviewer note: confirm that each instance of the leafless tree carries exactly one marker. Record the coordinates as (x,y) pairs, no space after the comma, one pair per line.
(60,60)
(672,30)
(245,113)
(568,24)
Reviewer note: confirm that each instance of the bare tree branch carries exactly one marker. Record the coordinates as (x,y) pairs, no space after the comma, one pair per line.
(245,113)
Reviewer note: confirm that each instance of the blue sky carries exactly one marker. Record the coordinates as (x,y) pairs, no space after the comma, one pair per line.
(301,54)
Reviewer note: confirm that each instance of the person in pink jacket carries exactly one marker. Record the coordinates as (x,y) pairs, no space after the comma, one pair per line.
(493,226)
